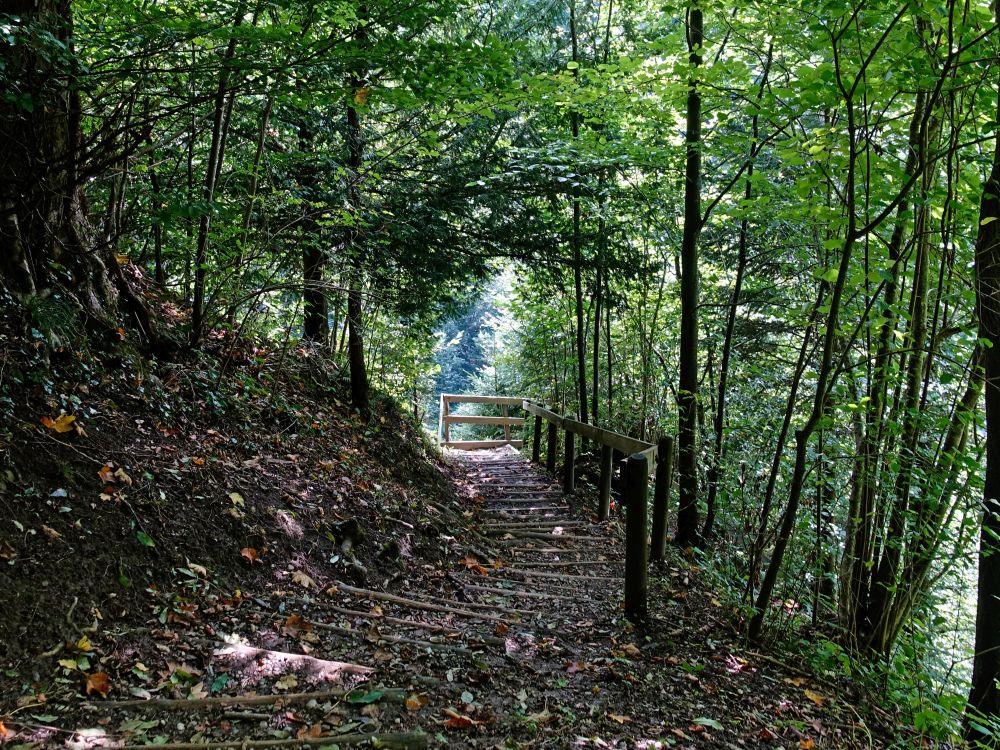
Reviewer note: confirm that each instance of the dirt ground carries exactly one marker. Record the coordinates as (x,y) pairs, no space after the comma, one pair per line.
(220,552)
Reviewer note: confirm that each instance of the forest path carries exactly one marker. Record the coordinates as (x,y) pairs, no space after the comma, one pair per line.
(519,643)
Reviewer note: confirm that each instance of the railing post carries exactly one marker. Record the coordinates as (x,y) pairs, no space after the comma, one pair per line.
(446,412)
(604,498)
(569,459)
(441,419)
(536,441)
(550,453)
(661,496)
(636,493)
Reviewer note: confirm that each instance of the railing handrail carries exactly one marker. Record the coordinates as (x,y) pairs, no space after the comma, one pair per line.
(446,419)
(617,441)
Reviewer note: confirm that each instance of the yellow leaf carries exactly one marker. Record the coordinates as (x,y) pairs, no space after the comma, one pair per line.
(416,701)
(84,644)
(807,743)
(361,96)
(67,663)
(818,698)
(60,424)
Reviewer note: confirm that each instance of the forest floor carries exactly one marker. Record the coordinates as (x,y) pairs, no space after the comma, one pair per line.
(219,553)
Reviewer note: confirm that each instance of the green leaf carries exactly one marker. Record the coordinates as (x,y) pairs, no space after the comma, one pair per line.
(358,697)
(707,722)
(987,220)
(145,539)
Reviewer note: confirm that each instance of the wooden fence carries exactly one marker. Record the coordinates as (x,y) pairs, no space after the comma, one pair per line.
(446,419)
(642,460)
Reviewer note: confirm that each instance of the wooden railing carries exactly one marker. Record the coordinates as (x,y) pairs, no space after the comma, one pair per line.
(446,419)
(640,460)
(643,458)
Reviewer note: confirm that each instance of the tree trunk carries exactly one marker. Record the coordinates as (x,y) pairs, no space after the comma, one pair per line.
(49,257)
(983,695)
(355,340)
(581,331)
(687,392)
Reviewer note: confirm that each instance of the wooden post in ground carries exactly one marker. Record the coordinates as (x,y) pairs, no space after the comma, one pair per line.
(550,453)
(604,485)
(446,411)
(441,419)
(636,493)
(536,441)
(506,427)
(569,459)
(661,496)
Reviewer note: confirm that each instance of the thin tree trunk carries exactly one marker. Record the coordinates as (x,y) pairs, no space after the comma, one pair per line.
(355,343)
(718,448)
(581,331)
(216,150)
(687,391)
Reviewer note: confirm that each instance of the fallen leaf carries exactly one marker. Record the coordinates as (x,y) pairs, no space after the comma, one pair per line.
(316,730)
(287,682)
(539,718)
(807,743)
(416,701)
(632,650)
(4,731)
(796,681)
(200,570)
(249,553)
(303,580)
(84,644)
(295,625)
(98,682)
(63,423)
(51,533)
(501,628)
(471,562)
(767,734)
(619,718)
(818,698)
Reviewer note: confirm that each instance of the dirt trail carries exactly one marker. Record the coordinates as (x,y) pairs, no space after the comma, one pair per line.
(521,643)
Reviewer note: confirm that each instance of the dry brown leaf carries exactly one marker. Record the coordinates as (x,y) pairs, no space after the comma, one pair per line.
(249,553)
(303,580)
(807,743)
(316,730)
(620,718)
(501,628)
(99,683)
(51,533)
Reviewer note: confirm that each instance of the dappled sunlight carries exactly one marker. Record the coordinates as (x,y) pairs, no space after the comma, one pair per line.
(257,664)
